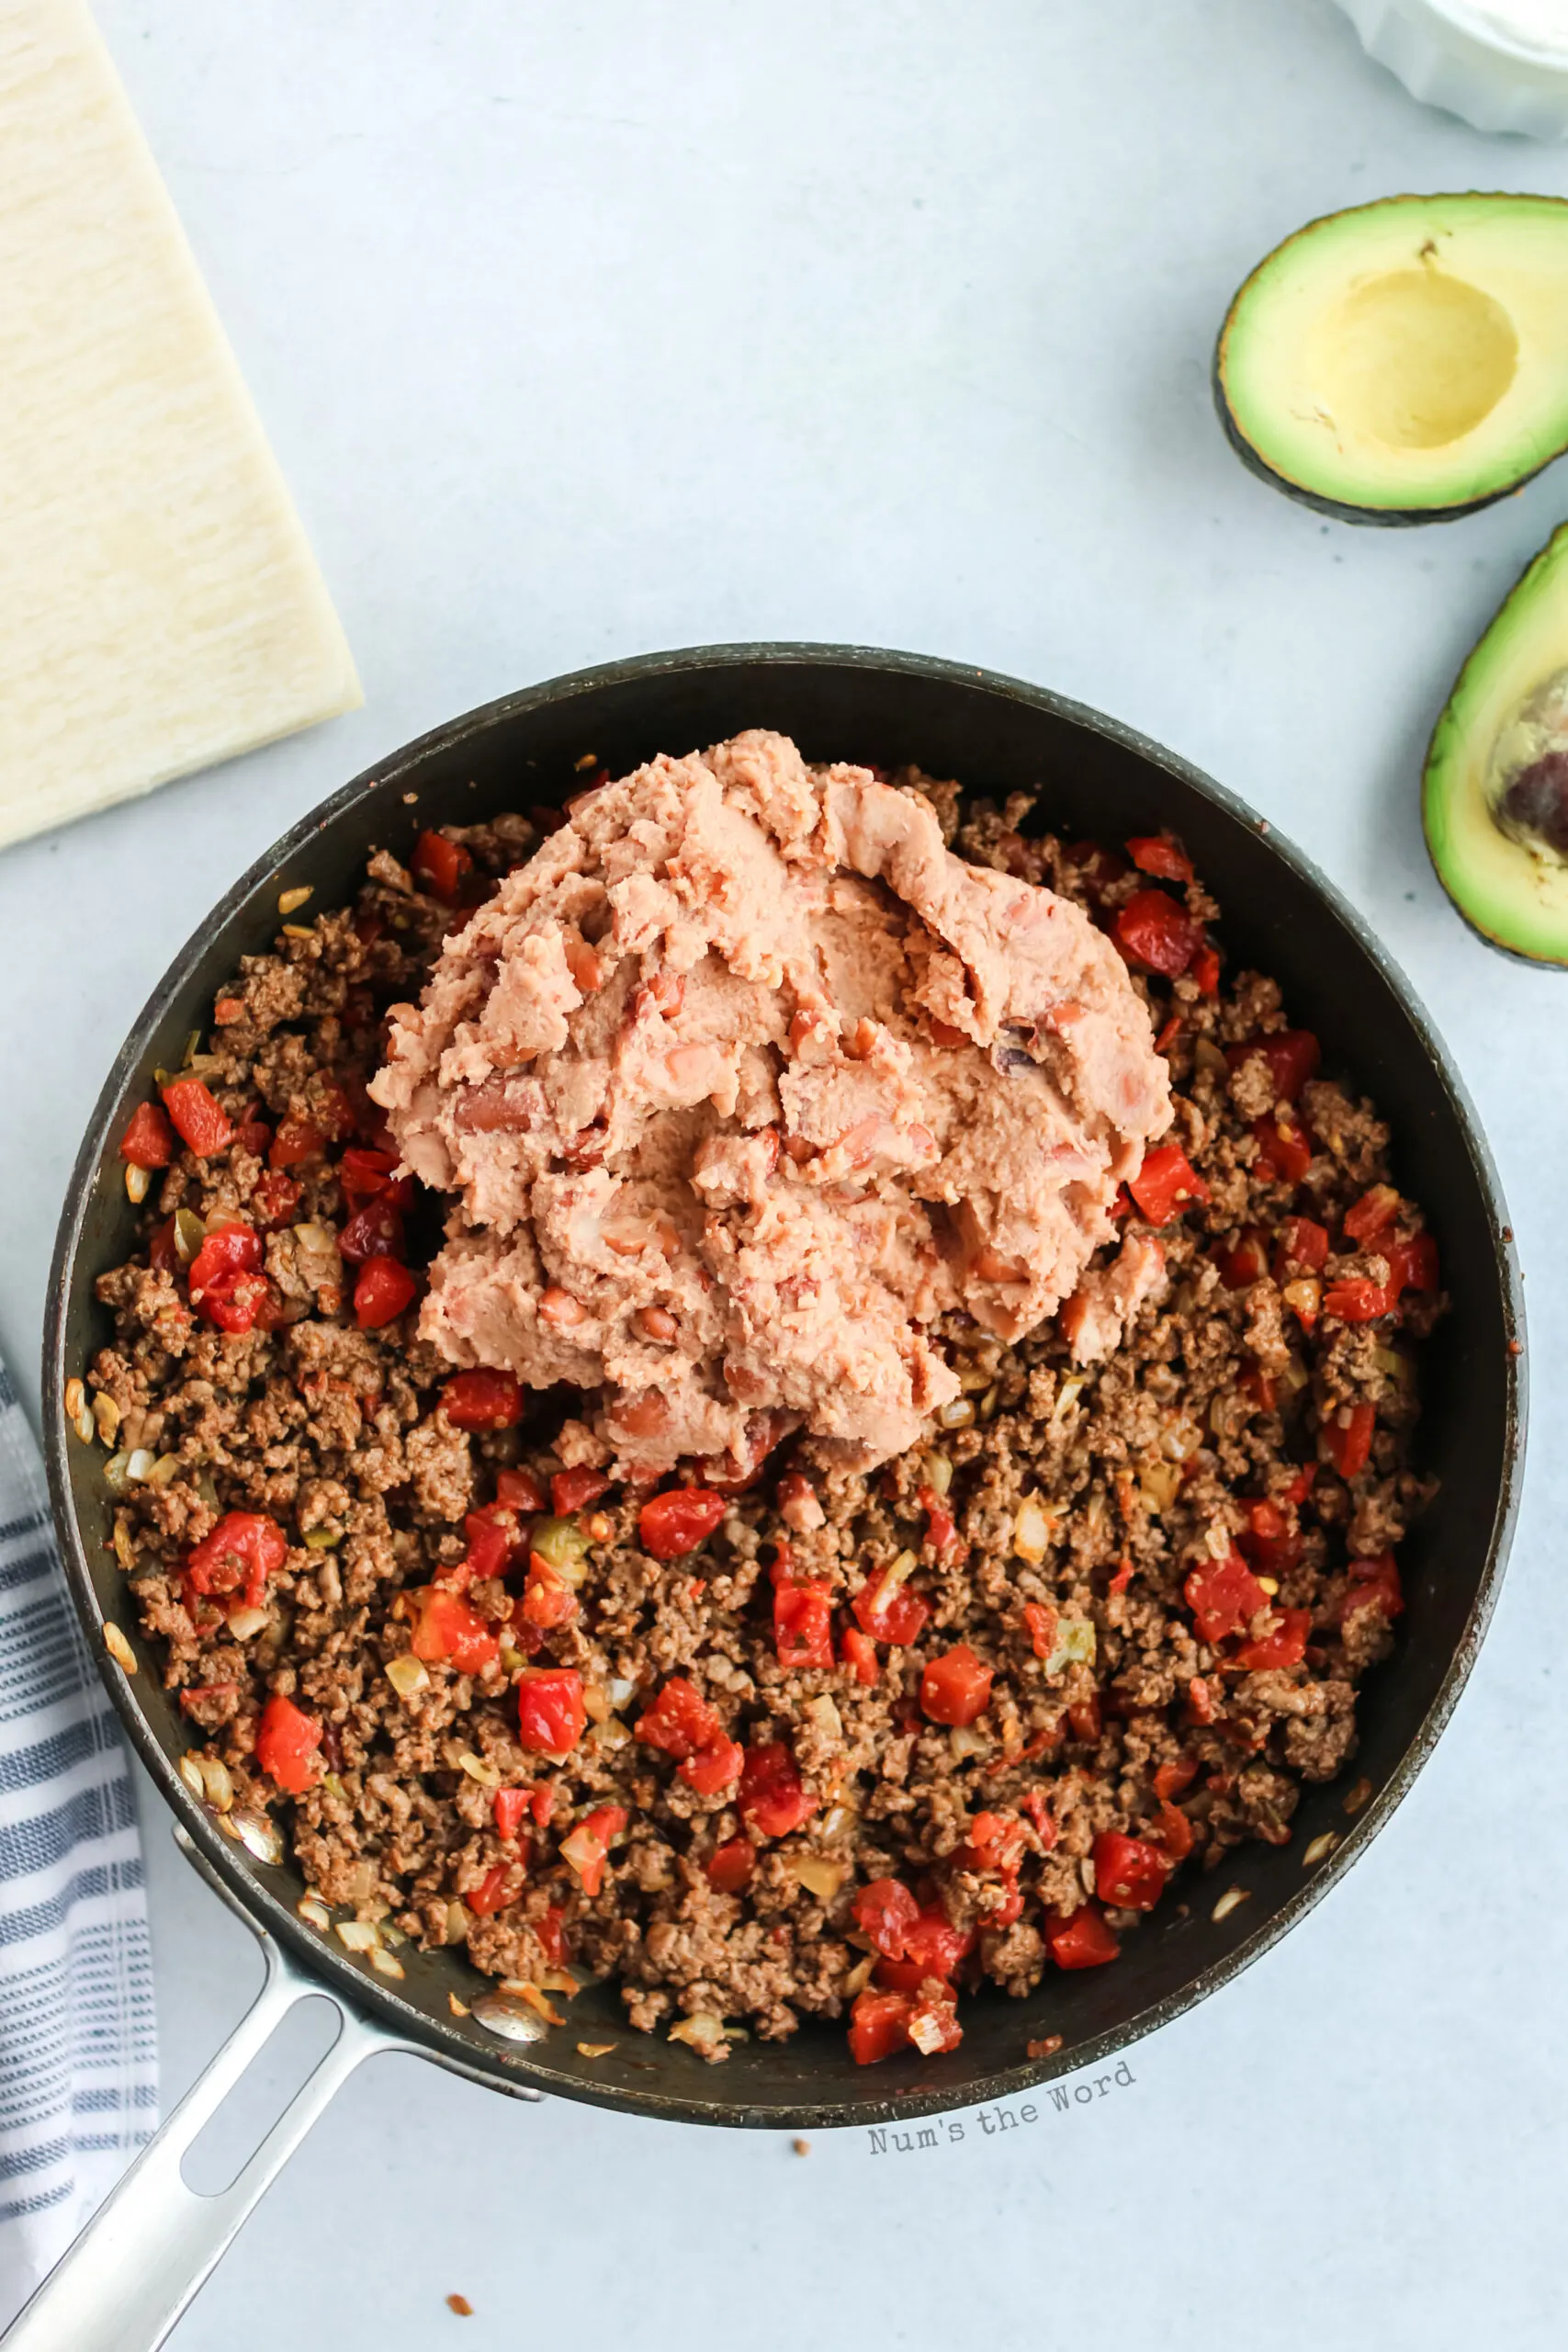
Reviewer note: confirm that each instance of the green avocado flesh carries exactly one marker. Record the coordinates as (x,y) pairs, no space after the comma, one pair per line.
(1404,361)
(1495,788)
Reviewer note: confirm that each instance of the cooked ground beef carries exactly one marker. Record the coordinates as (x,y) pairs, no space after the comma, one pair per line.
(794,1747)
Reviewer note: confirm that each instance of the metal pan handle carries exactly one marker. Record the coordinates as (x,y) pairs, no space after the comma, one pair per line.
(153,2242)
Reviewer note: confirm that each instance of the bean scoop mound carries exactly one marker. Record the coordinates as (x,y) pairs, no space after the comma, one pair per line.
(778,1744)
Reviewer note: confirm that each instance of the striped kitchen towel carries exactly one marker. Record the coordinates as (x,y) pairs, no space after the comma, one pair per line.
(78,2045)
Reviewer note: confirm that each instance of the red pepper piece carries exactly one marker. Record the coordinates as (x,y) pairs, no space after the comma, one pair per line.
(879,2026)
(889,1611)
(242,1551)
(439,865)
(858,1653)
(1040,1623)
(1247,1262)
(803,1625)
(1292,1055)
(484,1400)
(772,1800)
(510,1809)
(296,1141)
(1158,853)
(1224,1598)
(1152,930)
(447,1630)
(680,1721)
(1348,1442)
(382,1293)
(1129,1874)
(573,1490)
(375,1230)
(1166,1183)
(729,1867)
(1372,1215)
(287,1741)
(1354,1299)
(1083,1941)
(550,1711)
(716,1769)
(1284,1644)
(672,1524)
(200,1122)
(226,1282)
(1302,1248)
(149,1140)
(519,1491)
(956,1688)
(1285,1148)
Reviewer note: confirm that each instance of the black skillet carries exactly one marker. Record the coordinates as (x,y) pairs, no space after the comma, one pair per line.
(154,2241)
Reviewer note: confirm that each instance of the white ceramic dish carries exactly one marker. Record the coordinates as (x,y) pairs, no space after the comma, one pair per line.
(1458,58)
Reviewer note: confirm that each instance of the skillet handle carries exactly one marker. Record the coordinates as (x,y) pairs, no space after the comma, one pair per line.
(153,2242)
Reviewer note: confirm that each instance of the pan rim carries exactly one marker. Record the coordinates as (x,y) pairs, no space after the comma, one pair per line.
(523,2072)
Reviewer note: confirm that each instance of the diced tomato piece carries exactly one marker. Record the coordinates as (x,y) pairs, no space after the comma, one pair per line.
(680,1721)
(1152,930)
(1292,1055)
(149,1140)
(1301,1484)
(550,1712)
(1271,1544)
(489,1533)
(714,1769)
(1302,1248)
(886,1911)
(485,1400)
(296,1141)
(803,1624)
(1285,1148)
(888,1610)
(1284,1644)
(511,1808)
(996,1842)
(1097,866)
(933,1945)
(365,1174)
(1223,1597)
(1040,1623)
(1413,1264)
(242,1551)
(1247,1262)
(274,1199)
(1123,1577)
(1349,1443)
(1174,1831)
(1171,1778)
(1085,1718)
(933,2023)
(575,1489)
(382,1293)
(672,1524)
(547,1599)
(162,1253)
(1158,853)
(1166,1183)
(729,1867)
(226,1282)
(1200,1702)
(879,2026)
(200,1122)
(439,865)
(447,1630)
(588,1846)
(772,1800)
(1129,1874)
(1083,1941)
(1206,970)
(941,1528)
(551,1933)
(1372,1215)
(287,1741)
(519,1491)
(957,1686)
(253,1135)
(375,1230)
(1374,1584)
(500,1885)
(1354,1299)
(858,1653)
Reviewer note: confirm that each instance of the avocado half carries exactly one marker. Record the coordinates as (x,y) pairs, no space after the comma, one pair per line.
(1495,792)
(1405,362)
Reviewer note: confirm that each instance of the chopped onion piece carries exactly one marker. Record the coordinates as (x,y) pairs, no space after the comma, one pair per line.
(382,1961)
(138,1466)
(408,1675)
(189,1235)
(260,1836)
(1031,1531)
(956,1414)
(119,1649)
(510,2019)
(704,2033)
(219,1787)
(137,1183)
(191,1774)
(244,1623)
(115,1469)
(818,1875)
(1067,1396)
(966,1740)
(488,1776)
(621,1689)
(358,1935)
(823,1715)
(1075,1644)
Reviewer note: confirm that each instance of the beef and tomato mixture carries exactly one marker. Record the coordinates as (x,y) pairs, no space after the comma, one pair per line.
(760,1739)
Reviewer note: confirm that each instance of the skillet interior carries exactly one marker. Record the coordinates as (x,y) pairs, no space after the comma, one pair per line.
(1093,777)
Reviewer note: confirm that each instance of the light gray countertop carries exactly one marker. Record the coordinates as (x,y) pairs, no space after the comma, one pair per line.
(580,330)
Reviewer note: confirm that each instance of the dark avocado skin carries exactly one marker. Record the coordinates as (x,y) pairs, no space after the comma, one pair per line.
(1386,518)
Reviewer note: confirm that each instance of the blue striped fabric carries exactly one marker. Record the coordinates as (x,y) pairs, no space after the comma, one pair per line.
(78,2045)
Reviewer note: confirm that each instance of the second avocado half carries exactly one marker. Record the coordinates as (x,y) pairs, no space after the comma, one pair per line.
(1407,361)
